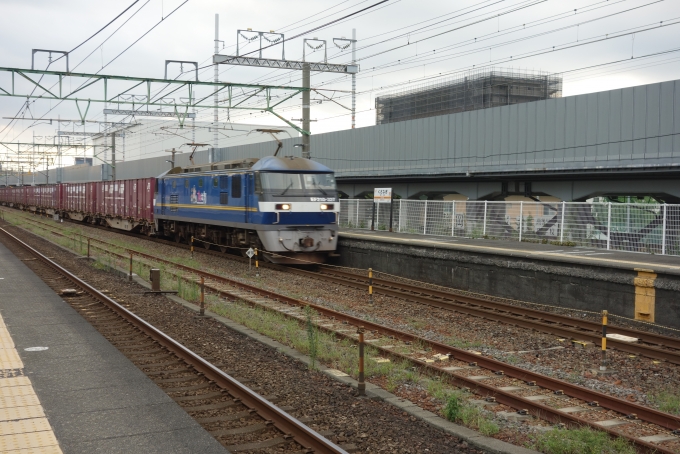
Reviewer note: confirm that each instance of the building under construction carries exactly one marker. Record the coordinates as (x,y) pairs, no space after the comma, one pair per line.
(475,90)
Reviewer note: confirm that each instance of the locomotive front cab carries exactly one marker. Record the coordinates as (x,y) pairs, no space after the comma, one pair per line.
(298,202)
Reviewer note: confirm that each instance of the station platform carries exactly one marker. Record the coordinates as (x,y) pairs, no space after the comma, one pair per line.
(633,285)
(65,388)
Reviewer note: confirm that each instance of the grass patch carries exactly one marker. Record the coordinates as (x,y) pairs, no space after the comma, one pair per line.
(667,401)
(459,410)
(581,441)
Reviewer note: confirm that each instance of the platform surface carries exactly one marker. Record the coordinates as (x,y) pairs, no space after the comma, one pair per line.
(80,395)
(576,255)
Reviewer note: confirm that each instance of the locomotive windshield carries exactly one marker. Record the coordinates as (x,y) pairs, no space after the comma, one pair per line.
(298,184)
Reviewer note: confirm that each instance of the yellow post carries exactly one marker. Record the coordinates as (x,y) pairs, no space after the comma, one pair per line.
(603,365)
(192,247)
(370,286)
(257,264)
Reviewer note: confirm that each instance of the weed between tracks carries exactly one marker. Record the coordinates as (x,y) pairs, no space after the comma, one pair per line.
(580,441)
(667,401)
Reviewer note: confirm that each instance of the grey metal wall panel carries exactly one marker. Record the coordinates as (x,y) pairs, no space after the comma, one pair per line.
(560,129)
(522,128)
(614,126)
(601,148)
(627,120)
(550,138)
(676,119)
(639,121)
(496,137)
(541,122)
(532,131)
(581,134)
(504,140)
(514,135)
(653,121)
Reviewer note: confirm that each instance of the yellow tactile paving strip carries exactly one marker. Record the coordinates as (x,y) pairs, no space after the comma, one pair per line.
(23,425)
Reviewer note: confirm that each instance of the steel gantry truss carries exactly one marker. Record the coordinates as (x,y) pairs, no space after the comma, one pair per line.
(285,64)
(157,91)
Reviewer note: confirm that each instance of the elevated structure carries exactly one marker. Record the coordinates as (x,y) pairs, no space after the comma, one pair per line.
(623,142)
(475,90)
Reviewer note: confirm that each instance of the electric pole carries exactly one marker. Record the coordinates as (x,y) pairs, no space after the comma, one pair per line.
(113,156)
(354,75)
(217,75)
(306,152)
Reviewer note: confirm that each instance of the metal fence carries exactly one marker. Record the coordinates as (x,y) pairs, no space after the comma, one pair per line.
(612,226)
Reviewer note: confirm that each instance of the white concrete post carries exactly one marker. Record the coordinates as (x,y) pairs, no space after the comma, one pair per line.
(521,211)
(425,223)
(484,228)
(400,212)
(453,218)
(564,208)
(609,225)
(357,213)
(663,232)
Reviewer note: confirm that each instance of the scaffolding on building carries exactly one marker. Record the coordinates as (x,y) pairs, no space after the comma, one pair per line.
(472,91)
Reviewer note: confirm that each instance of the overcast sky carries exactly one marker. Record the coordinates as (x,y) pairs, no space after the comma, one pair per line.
(472,32)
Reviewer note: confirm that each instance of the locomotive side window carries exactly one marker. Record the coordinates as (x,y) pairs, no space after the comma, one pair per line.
(215,182)
(186,184)
(174,184)
(236,186)
(200,182)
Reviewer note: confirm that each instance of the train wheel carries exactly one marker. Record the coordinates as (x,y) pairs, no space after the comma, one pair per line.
(206,245)
(223,249)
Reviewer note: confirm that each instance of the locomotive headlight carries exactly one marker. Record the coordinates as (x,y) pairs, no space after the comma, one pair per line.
(326,206)
(282,206)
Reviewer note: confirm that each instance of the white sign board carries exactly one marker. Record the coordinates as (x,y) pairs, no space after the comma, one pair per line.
(382,195)
(250,252)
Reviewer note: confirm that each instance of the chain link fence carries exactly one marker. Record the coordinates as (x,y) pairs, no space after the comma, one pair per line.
(612,226)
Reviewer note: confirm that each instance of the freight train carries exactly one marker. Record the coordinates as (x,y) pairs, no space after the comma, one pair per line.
(287,207)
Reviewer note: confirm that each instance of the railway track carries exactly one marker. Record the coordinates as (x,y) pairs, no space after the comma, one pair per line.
(235,415)
(527,392)
(647,344)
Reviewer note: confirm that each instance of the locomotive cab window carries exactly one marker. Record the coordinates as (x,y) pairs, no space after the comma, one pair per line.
(236,186)
(215,182)
(200,182)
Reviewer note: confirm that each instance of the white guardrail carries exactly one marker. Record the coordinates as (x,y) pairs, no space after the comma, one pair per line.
(647,228)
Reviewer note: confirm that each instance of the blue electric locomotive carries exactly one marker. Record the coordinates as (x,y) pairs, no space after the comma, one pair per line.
(285,206)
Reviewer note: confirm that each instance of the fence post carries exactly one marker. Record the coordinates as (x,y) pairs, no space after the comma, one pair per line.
(391,210)
(257,263)
(663,232)
(521,212)
(484,227)
(370,286)
(609,225)
(357,223)
(425,221)
(192,247)
(373,215)
(361,386)
(377,215)
(400,211)
(453,218)
(603,364)
(130,275)
(564,208)
(202,312)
